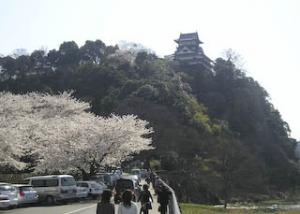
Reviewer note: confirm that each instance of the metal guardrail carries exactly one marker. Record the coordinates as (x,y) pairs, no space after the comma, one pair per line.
(173,206)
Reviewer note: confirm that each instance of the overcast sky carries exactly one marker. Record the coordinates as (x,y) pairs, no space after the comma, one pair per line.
(266,33)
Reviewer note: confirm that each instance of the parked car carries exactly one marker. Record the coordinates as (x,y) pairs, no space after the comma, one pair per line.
(133,177)
(94,188)
(137,172)
(118,171)
(103,185)
(144,173)
(82,192)
(54,188)
(8,196)
(98,178)
(125,183)
(26,194)
(106,177)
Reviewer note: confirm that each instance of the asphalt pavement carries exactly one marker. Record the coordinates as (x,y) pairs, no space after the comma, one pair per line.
(74,208)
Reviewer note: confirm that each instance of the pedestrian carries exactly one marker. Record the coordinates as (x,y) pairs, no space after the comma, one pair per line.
(163,198)
(147,179)
(127,206)
(145,198)
(105,206)
(152,178)
(157,184)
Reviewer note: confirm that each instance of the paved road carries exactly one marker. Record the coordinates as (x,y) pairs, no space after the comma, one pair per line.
(76,208)
(86,207)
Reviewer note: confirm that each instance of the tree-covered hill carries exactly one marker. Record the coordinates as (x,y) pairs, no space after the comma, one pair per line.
(216,133)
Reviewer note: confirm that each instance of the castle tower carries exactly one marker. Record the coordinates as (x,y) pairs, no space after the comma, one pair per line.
(189,51)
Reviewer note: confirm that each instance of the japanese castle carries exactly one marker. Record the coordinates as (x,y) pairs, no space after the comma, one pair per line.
(189,51)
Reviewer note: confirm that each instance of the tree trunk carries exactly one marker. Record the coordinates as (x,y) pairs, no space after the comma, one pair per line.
(225,203)
(93,168)
(226,196)
(84,174)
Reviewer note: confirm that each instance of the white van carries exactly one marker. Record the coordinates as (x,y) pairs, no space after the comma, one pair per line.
(53,188)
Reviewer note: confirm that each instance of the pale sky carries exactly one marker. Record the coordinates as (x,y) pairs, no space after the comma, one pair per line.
(266,33)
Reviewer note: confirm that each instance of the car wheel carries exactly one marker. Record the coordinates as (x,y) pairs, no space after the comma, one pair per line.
(10,207)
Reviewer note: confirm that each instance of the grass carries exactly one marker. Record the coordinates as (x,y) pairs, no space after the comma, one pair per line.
(207,209)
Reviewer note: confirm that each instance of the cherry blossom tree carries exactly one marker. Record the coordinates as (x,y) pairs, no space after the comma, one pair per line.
(64,136)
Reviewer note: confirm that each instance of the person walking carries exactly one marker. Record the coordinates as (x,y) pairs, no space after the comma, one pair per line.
(105,206)
(144,198)
(127,206)
(148,179)
(163,198)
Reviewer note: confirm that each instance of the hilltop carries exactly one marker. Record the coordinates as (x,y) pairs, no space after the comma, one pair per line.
(217,135)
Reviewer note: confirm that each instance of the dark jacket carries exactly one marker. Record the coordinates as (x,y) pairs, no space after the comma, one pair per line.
(163,196)
(145,196)
(105,208)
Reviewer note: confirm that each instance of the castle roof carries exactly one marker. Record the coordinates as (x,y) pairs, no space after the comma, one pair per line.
(188,36)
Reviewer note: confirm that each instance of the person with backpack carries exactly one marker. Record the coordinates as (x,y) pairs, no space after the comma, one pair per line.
(145,198)
(163,198)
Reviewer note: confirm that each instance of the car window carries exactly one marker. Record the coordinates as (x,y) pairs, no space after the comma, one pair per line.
(135,172)
(98,178)
(52,182)
(68,181)
(7,188)
(106,178)
(26,188)
(125,184)
(38,183)
(82,185)
(94,185)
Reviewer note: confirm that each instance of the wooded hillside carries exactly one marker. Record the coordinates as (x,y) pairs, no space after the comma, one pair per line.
(216,133)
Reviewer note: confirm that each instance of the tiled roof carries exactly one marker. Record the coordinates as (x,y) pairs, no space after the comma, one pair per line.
(189,36)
